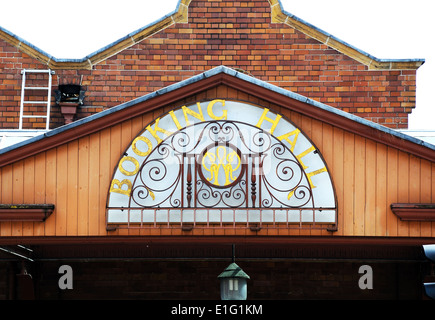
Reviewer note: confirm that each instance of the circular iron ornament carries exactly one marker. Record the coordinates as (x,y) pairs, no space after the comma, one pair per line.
(221,165)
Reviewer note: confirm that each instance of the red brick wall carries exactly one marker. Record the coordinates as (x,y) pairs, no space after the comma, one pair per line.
(236,34)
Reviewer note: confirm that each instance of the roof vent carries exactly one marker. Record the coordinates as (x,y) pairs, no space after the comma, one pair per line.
(70,93)
(69,96)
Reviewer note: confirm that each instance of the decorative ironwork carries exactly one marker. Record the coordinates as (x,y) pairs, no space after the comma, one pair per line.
(221,171)
(212,164)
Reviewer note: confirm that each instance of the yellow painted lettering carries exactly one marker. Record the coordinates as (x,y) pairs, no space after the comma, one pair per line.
(158,129)
(303,154)
(292,143)
(273,122)
(174,118)
(132,160)
(116,186)
(194,114)
(210,110)
(313,173)
(286,138)
(136,149)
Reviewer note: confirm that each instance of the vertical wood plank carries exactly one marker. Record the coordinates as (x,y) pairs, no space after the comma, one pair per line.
(6,191)
(403,190)
(17,182)
(222,91)
(232,93)
(94,185)
(296,118)
(62,189)
(359,194)
(327,153)
(392,190)
(40,178)
(414,191)
(382,206)
(72,187)
(28,190)
(318,139)
(17,193)
(51,187)
(370,189)
(106,172)
(115,151)
(425,194)
(349,183)
(337,175)
(83,187)
(29,180)
(40,189)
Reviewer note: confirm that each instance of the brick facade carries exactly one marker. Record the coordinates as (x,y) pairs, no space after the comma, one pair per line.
(237,34)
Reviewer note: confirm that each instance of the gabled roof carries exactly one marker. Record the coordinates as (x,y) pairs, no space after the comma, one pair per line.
(204,81)
(280,15)
(180,15)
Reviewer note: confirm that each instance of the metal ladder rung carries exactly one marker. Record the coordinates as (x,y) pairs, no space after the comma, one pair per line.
(35,102)
(37,71)
(37,88)
(27,116)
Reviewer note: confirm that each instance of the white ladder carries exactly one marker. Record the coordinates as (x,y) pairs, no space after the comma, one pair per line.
(23,102)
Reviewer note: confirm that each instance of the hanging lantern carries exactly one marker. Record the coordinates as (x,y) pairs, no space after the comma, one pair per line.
(233,283)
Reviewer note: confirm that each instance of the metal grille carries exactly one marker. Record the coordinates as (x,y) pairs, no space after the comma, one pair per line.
(221,165)
(224,174)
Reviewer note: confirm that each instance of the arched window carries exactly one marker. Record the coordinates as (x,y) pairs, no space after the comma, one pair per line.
(221,163)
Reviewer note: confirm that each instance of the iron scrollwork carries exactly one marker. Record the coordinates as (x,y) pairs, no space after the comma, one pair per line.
(221,164)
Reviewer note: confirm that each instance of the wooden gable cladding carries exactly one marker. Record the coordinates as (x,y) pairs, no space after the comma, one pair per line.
(73,169)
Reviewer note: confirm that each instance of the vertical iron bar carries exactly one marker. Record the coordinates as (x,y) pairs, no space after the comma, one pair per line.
(189,182)
(253,182)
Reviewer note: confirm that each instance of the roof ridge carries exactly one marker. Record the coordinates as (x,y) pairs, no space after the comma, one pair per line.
(279,15)
(180,15)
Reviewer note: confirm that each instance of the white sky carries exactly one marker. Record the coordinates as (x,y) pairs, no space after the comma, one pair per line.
(386,29)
